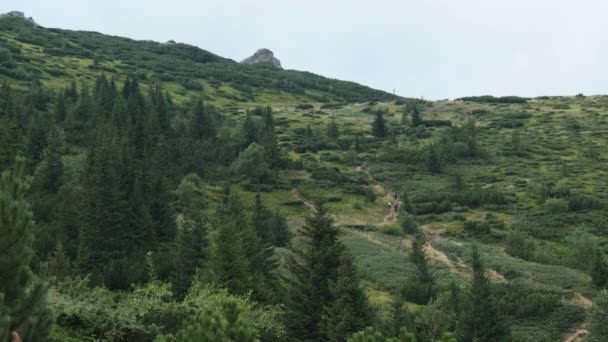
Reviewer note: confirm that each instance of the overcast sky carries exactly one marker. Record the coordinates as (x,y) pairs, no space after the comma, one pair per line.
(430,48)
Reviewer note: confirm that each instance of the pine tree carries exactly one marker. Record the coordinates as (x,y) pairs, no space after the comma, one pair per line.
(22,294)
(423,288)
(49,176)
(228,265)
(261,219)
(12,142)
(481,320)
(379,125)
(60,109)
(415,113)
(191,246)
(332,129)
(312,265)
(349,311)
(203,125)
(7,102)
(105,230)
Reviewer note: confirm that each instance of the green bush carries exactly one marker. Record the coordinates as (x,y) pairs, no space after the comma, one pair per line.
(556,205)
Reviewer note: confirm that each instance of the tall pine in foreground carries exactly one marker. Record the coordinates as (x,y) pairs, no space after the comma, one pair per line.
(349,311)
(313,266)
(22,295)
(481,321)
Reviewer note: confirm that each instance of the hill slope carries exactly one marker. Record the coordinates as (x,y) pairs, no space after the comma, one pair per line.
(57,56)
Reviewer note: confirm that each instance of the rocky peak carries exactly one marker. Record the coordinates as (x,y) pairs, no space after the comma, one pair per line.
(263,56)
(18,14)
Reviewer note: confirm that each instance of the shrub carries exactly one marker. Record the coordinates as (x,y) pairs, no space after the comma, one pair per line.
(305,106)
(556,205)
(583,202)
(520,245)
(391,229)
(408,225)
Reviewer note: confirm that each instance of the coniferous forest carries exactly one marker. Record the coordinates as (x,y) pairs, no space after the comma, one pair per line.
(158,192)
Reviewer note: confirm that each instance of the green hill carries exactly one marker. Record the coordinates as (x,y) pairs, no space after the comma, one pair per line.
(148,201)
(56,57)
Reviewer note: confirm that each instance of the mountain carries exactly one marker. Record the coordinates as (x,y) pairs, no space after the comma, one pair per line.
(56,57)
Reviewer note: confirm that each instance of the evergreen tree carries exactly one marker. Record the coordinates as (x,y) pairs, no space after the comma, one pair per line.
(7,101)
(203,125)
(414,110)
(481,320)
(49,176)
(312,265)
(332,129)
(161,109)
(349,311)
(60,109)
(433,159)
(229,324)
(229,265)
(379,125)
(12,141)
(423,288)
(105,233)
(261,220)
(191,246)
(271,147)
(22,295)
(470,131)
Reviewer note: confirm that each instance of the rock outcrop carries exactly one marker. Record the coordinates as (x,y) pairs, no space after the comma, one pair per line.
(18,14)
(263,56)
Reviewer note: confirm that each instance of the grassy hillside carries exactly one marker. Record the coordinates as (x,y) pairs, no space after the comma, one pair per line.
(56,57)
(523,180)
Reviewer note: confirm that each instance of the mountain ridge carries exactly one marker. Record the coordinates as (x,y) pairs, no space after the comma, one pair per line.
(56,56)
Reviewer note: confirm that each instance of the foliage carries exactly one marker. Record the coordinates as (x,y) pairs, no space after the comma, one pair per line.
(23,294)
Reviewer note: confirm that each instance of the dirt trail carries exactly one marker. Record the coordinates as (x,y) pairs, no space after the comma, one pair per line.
(298,195)
(578,334)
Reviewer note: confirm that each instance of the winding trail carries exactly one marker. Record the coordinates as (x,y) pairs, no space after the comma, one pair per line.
(576,334)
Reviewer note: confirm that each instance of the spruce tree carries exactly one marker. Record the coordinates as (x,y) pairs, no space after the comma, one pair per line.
(106,228)
(228,265)
(203,125)
(332,129)
(7,101)
(349,311)
(271,147)
(481,320)
(423,288)
(22,294)
(415,113)
(312,266)
(49,176)
(379,125)
(191,246)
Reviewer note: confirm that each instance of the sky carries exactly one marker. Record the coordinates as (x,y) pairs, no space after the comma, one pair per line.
(435,49)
